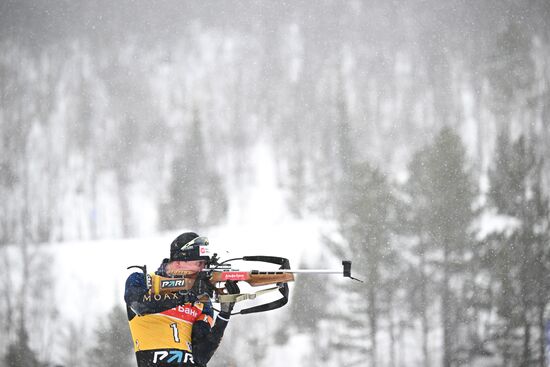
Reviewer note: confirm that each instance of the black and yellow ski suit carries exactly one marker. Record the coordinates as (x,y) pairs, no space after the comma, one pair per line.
(171,330)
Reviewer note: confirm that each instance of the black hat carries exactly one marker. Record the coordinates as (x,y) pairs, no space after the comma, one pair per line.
(189,246)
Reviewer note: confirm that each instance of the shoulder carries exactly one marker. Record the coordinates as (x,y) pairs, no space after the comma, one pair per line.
(136,280)
(135,287)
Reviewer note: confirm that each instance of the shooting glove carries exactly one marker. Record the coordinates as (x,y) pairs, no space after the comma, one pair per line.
(227,307)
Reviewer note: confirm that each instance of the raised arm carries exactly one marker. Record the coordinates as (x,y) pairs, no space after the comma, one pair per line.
(206,339)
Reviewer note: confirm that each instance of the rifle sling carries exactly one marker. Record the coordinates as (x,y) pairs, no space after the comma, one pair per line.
(271,305)
(244,296)
(260,308)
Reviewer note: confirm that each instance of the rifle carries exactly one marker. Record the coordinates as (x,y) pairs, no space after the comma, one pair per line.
(211,281)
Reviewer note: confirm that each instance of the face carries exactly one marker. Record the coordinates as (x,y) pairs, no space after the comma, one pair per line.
(174,267)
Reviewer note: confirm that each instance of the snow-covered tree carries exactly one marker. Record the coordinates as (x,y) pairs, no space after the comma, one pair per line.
(518,259)
(366,218)
(440,212)
(113,345)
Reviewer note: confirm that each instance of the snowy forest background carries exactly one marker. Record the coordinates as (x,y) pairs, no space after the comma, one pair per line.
(417,132)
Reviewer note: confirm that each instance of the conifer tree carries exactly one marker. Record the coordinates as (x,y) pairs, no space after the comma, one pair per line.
(510,69)
(366,219)
(310,302)
(196,195)
(74,346)
(441,194)
(308,291)
(518,258)
(19,353)
(113,346)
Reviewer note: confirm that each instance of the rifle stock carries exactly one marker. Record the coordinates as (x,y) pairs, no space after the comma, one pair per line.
(163,285)
(186,280)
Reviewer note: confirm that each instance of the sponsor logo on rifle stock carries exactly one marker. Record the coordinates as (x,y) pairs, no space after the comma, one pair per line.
(172,283)
(235,275)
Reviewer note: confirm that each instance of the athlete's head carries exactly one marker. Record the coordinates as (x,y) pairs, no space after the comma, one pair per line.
(188,252)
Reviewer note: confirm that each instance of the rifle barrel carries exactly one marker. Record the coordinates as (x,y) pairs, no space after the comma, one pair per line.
(346,274)
(302,271)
